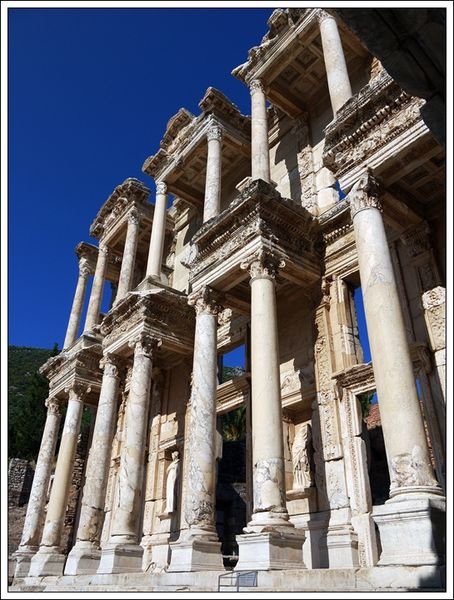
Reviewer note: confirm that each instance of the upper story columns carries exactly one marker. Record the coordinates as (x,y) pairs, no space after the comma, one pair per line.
(78,303)
(129,254)
(260,167)
(94,304)
(212,202)
(336,68)
(158,230)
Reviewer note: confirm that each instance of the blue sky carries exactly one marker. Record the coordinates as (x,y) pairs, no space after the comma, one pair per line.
(89,94)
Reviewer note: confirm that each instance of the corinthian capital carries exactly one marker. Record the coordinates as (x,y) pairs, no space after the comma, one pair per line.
(256,86)
(214,131)
(110,364)
(206,301)
(53,406)
(84,267)
(78,391)
(365,194)
(145,345)
(263,264)
(161,187)
(134,217)
(103,249)
(322,15)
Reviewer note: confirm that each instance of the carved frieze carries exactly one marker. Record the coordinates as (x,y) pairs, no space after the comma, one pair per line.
(368,121)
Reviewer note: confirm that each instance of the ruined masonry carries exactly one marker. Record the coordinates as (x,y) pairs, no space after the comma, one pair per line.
(332,188)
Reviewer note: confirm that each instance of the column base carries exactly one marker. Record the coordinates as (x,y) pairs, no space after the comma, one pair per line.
(195,554)
(23,557)
(83,559)
(47,561)
(121,558)
(270,550)
(342,547)
(412,530)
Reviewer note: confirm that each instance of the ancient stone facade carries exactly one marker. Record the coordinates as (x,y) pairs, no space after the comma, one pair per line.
(277,219)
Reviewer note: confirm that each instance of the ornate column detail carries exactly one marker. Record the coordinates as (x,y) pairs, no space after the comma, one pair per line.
(200,447)
(129,255)
(434,305)
(49,560)
(212,203)
(336,69)
(263,264)
(84,556)
(78,303)
(365,194)
(94,304)
(34,518)
(259,133)
(123,548)
(157,232)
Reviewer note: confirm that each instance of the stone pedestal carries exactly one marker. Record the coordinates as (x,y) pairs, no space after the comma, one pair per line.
(47,562)
(121,558)
(196,554)
(412,530)
(83,559)
(271,550)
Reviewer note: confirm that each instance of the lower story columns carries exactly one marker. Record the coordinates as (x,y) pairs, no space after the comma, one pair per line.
(271,541)
(123,553)
(198,547)
(412,520)
(49,560)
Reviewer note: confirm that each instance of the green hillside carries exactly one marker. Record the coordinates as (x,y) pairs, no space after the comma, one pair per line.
(27,391)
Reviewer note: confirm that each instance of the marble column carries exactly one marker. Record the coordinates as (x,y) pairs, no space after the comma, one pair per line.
(260,156)
(157,232)
(34,518)
(336,69)
(129,255)
(49,559)
(84,556)
(94,304)
(123,552)
(212,204)
(414,489)
(198,547)
(270,539)
(78,303)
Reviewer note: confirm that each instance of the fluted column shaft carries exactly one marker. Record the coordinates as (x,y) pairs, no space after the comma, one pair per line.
(400,412)
(127,514)
(201,445)
(35,509)
(94,304)
(260,168)
(267,436)
(78,303)
(212,204)
(129,256)
(336,69)
(94,492)
(157,232)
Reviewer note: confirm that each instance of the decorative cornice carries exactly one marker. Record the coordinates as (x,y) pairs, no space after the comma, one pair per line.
(263,264)
(206,301)
(364,194)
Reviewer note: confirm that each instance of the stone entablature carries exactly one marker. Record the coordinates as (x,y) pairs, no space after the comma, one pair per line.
(369,121)
(258,217)
(131,193)
(159,312)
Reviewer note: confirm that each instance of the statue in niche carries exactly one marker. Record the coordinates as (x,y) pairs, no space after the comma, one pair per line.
(173,471)
(301,458)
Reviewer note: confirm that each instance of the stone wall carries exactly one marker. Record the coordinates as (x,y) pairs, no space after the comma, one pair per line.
(20,478)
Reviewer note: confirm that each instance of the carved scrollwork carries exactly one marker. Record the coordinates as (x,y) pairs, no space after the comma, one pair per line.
(364,194)
(263,264)
(206,301)
(434,298)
